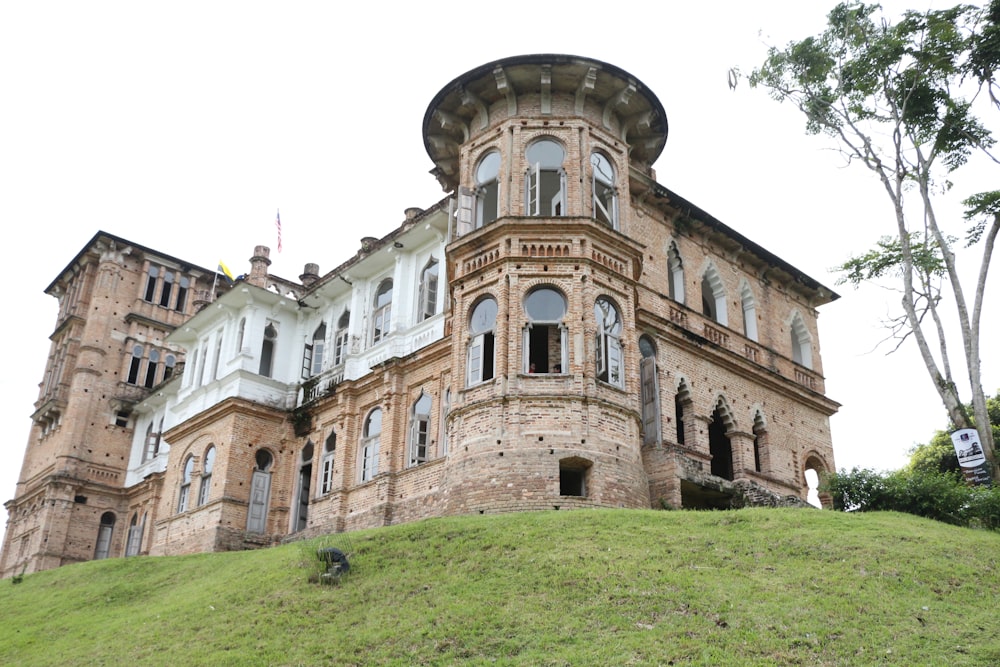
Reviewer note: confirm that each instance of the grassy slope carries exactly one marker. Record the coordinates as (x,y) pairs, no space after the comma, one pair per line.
(749,587)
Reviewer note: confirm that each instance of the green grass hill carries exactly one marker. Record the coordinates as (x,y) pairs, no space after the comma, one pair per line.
(602,587)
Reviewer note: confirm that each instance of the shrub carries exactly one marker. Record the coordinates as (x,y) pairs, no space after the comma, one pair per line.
(935,495)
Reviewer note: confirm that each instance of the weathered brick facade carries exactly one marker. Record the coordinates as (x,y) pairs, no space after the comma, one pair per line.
(561,331)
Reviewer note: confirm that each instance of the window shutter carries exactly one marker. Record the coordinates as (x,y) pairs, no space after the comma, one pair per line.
(306,360)
(600,340)
(650,402)
(466,201)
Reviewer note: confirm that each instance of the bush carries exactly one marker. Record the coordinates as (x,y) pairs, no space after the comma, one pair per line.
(935,495)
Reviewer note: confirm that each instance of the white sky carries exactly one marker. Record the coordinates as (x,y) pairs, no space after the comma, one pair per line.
(183,126)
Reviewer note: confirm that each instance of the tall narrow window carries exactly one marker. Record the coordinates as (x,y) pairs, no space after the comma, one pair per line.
(135,365)
(194,368)
(650,392)
(544,342)
(267,350)
(305,482)
(151,284)
(134,544)
(545,182)
(801,342)
(608,342)
(428,290)
(206,476)
(420,430)
(713,296)
(371,435)
(182,289)
(217,356)
(104,533)
(761,453)
(185,490)
(151,364)
(239,335)
(482,326)
(382,311)
(260,492)
(488,189)
(168,284)
(312,354)
(443,437)
(675,268)
(169,362)
(605,198)
(679,416)
(329,453)
(749,305)
(340,342)
(152,448)
(203,361)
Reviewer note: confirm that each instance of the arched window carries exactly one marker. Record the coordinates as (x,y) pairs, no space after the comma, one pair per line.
(267,350)
(260,492)
(134,543)
(168,283)
(428,297)
(749,312)
(545,182)
(801,342)
(329,452)
(206,476)
(182,290)
(482,327)
(420,429)
(154,359)
(312,354)
(150,284)
(761,451)
(340,342)
(382,311)
(609,346)
(217,357)
(604,195)
(675,268)
(650,392)
(713,296)
(445,409)
(305,482)
(168,366)
(544,341)
(185,491)
(719,444)
(371,435)
(152,447)
(104,534)
(488,189)
(239,335)
(135,365)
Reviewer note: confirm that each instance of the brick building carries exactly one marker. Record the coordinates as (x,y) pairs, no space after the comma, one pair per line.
(560,331)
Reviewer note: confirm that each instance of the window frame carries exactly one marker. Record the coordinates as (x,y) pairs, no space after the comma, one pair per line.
(205,487)
(538,182)
(606,187)
(482,344)
(420,430)
(185,489)
(608,351)
(369,447)
(382,314)
(529,341)
(427,296)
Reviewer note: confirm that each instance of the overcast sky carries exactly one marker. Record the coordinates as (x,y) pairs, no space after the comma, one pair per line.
(183,126)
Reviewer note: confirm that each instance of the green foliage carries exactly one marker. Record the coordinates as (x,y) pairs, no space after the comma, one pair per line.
(939,454)
(886,259)
(942,496)
(604,587)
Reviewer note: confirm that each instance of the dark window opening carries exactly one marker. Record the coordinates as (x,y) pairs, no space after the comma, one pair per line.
(544,349)
(720,448)
(679,419)
(573,476)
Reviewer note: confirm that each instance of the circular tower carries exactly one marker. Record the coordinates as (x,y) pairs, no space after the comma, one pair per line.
(546,410)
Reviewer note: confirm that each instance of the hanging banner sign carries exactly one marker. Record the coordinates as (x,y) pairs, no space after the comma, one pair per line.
(971,458)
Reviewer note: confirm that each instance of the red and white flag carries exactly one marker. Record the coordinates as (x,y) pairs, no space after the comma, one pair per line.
(277,223)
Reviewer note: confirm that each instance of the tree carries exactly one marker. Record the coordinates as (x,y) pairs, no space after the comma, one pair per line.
(899,99)
(938,455)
